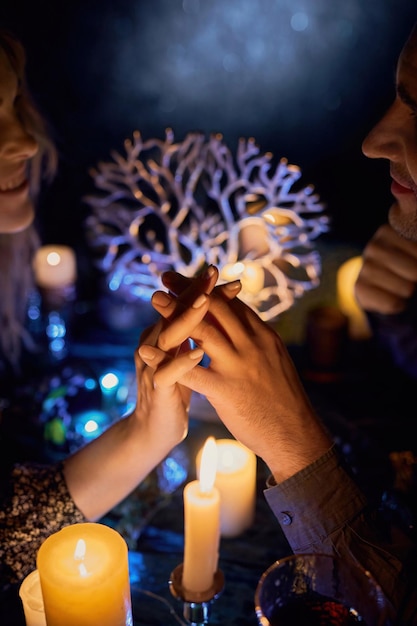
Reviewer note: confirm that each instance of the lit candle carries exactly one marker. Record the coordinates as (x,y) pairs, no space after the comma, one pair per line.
(250,273)
(54,266)
(236,482)
(201,525)
(84,576)
(346,279)
(31,596)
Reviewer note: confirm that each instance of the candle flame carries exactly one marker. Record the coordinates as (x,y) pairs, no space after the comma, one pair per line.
(208,465)
(232,271)
(80,550)
(79,555)
(53,258)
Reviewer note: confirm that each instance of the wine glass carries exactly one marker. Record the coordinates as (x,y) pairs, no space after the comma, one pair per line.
(319,590)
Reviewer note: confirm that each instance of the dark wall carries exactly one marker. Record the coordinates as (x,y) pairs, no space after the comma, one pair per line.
(102,69)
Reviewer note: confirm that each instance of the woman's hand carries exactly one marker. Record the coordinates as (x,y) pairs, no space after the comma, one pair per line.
(102,473)
(162,402)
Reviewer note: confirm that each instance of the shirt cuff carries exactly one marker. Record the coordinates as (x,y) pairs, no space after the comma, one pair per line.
(316,501)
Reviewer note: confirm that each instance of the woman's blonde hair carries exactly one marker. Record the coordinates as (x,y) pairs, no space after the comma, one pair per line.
(17,249)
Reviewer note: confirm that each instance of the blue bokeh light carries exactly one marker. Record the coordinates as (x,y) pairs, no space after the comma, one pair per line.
(305,78)
(90,424)
(247,68)
(109,381)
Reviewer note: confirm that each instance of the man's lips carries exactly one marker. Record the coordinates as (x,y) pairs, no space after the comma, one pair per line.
(398,189)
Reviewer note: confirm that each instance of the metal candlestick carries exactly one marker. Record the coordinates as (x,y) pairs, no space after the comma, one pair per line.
(196,606)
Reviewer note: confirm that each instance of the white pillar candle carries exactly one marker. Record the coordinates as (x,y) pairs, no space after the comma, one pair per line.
(54,266)
(31,596)
(236,482)
(201,525)
(84,576)
(346,279)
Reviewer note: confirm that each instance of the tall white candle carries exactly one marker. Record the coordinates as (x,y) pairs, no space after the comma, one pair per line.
(31,596)
(236,482)
(84,575)
(201,525)
(54,266)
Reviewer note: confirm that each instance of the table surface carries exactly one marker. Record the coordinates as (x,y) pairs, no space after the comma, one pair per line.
(159,550)
(367,409)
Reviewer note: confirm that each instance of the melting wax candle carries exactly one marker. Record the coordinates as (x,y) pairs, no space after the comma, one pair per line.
(31,596)
(84,576)
(346,277)
(236,482)
(201,525)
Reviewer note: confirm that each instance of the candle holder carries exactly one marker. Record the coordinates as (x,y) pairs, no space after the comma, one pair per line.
(196,606)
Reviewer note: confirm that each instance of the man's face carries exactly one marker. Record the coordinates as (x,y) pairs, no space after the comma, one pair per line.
(394,138)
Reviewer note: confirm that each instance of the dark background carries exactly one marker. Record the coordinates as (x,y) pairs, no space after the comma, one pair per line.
(305,79)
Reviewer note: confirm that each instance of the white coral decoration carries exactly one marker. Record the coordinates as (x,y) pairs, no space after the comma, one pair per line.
(181,206)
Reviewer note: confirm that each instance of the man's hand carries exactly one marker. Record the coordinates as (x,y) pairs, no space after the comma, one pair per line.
(388,277)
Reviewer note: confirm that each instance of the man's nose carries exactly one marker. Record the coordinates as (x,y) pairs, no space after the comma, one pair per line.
(386,138)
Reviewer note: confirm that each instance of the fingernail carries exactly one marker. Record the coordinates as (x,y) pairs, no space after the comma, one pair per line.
(146,352)
(198,353)
(198,302)
(233,286)
(161,298)
(209,272)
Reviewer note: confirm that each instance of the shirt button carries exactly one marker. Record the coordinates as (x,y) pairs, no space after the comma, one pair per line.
(286,518)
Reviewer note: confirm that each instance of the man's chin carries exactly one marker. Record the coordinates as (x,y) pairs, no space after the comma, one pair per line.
(403,219)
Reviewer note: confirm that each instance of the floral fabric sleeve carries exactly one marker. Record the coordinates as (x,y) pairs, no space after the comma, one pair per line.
(34,503)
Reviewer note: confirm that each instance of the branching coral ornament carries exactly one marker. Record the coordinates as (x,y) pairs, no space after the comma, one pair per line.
(180,206)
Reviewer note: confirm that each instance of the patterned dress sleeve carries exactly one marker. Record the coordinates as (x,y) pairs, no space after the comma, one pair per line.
(35,503)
